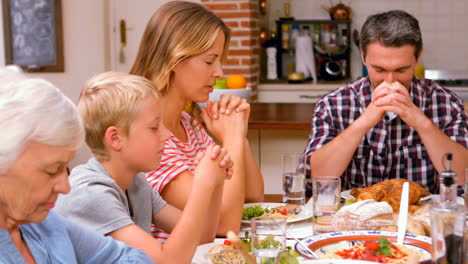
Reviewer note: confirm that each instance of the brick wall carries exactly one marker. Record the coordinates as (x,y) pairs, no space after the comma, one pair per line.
(242,16)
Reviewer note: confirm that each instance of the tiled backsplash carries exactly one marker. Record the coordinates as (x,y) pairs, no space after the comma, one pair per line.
(444,25)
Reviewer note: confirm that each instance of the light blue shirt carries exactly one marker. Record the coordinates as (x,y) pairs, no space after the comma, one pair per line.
(58,240)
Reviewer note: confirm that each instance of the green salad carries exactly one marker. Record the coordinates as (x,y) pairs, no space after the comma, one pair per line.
(254,211)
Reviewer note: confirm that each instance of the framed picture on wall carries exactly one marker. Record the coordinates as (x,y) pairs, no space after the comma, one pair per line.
(33,34)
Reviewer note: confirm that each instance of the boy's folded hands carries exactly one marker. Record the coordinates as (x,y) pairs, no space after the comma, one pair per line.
(215,163)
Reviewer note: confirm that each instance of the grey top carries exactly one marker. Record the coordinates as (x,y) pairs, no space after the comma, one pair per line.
(97,202)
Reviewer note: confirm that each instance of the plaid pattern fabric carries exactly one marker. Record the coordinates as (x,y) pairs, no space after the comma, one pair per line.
(391,149)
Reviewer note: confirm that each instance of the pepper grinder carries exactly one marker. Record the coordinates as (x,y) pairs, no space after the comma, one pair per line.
(447,220)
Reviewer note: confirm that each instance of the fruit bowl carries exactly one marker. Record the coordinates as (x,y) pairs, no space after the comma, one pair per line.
(242,93)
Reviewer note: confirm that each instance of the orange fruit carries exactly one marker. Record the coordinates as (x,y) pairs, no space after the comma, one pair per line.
(236,81)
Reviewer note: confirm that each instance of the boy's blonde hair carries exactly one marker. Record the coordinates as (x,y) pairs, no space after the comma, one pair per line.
(111,99)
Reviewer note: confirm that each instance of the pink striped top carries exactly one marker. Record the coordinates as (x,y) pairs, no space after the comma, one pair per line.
(178,157)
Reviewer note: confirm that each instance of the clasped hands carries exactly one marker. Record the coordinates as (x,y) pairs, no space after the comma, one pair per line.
(227,119)
(394,97)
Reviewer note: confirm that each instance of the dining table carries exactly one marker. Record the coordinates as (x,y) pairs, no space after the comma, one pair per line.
(299,229)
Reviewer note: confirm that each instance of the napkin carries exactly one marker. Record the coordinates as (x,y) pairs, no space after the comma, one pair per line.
(305,61)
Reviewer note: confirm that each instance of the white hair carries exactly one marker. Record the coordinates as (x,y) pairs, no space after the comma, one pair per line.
(32,109)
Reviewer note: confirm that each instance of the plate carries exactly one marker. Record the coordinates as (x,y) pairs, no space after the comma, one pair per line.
(331,242)
(303,215)
(347,195)
(335,261)
(201,254)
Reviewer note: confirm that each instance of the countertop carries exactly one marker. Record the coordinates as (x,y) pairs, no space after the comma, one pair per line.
(295,116)
(281,115)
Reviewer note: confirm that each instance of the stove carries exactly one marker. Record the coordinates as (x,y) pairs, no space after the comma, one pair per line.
(457,81)
(448,78)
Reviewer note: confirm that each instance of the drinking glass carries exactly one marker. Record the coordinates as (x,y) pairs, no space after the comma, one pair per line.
(293,179)
(268,239)
(326,197)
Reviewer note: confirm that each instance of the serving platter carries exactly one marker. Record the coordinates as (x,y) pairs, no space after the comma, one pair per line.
(347,195)
(332,242)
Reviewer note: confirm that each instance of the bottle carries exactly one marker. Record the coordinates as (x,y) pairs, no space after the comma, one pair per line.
(447,221)
(326,35)
(306,31)
(316,38)
(419,70)
(294,35)
(285,37)
(272,74)
(332,35)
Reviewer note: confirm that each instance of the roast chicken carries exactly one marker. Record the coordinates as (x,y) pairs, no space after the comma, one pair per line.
(390,191)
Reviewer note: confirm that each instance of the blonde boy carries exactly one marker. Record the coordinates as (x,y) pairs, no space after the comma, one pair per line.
(124,130)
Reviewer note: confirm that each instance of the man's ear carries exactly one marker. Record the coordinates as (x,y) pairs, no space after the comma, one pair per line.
(418,59)
(362,57)
(112,138)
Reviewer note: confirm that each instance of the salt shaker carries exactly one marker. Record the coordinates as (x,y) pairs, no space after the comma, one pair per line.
(447,221)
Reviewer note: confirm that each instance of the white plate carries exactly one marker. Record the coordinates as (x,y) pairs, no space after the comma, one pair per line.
(347,195)
(303,215)
(335,261)
(201,254)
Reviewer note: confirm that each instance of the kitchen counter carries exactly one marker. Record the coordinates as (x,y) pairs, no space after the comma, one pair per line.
(281,116)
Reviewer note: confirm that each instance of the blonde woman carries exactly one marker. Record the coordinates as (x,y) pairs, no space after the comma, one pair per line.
(181,53)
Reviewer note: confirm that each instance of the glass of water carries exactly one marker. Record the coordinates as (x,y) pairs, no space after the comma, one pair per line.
(268,239)
(326,201)
(293,179)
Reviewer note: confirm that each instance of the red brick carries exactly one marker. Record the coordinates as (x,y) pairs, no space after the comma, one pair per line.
(249,6)
(236,52)
(232,61)
(234,43)
(249,24)
(215,7)
(233,14)
(236,71)
(249,61)
(231,24)
(249,42)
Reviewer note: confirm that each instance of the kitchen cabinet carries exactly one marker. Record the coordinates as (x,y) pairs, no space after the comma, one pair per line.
(295,93)
(268,145)
(276,128)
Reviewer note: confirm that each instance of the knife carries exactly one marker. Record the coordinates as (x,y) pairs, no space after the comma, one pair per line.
(403,215)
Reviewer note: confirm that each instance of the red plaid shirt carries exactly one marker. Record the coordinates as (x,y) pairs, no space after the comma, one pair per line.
(391,149)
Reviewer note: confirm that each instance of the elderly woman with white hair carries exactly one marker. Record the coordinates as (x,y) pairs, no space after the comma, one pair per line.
(41,130)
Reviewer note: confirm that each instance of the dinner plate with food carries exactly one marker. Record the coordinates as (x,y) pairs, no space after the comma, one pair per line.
(222,251)
(377,246)
(293,212)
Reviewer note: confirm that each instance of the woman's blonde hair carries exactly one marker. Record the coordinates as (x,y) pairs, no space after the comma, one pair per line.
(111,99)
(178,30)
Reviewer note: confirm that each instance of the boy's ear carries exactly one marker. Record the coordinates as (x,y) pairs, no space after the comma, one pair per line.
(112,138)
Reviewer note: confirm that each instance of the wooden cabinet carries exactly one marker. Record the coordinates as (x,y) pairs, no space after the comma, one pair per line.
(268,145)
(275,129)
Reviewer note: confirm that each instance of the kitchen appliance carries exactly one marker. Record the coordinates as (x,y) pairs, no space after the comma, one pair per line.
(456,81)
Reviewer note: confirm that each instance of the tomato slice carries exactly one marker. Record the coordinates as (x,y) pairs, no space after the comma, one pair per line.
(227,242)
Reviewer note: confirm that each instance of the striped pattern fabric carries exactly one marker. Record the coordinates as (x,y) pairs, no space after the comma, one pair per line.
(391,149)
(178,157)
